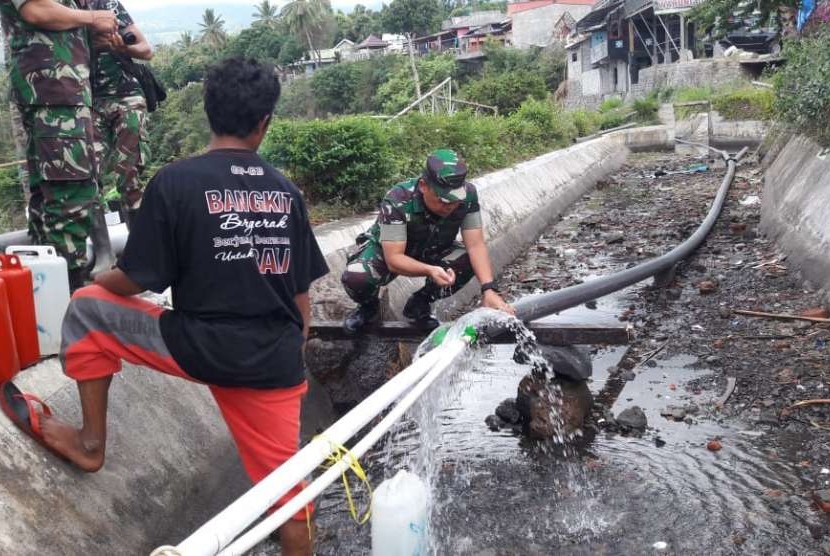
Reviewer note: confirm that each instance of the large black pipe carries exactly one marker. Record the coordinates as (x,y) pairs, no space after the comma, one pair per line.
(536,307)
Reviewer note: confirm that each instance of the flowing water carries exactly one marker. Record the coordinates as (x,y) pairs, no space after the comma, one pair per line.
(496,493)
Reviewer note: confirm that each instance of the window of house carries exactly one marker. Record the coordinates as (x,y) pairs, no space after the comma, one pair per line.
(573,56)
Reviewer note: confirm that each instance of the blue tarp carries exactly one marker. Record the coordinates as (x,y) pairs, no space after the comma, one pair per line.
(804,12)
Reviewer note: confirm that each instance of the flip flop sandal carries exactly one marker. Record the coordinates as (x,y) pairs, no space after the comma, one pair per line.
(22,410)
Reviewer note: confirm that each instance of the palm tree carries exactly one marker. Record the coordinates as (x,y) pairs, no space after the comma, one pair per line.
(266,14)
(213,28)
(304,16)
(185,40)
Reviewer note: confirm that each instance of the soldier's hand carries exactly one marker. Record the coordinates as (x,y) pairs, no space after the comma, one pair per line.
(493,300)
(443,278)
(104,21)
(102,42)
(117,43)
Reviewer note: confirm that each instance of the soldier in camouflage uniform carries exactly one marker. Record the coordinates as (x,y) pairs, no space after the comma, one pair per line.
(120,112)
(414,235)
(49,73)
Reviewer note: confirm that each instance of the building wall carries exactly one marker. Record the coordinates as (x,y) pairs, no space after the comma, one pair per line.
(696,73)
(517,7)
(535,27)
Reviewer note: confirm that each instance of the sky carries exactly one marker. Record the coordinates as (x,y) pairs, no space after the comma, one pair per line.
(144,5)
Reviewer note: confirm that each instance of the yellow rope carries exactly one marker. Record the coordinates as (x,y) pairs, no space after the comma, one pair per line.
(341,452)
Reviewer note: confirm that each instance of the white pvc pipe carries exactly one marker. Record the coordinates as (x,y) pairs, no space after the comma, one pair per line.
(214,535)
(264,528)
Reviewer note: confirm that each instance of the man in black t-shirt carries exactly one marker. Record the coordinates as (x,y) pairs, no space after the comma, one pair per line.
(231,237)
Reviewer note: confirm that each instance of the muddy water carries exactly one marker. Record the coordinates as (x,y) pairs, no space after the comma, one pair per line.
(498,494)
(664,492)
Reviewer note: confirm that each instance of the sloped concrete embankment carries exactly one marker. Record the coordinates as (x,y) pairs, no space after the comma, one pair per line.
(171,463)
(796,205)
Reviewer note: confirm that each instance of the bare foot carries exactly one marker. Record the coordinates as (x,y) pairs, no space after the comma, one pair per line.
(66,440)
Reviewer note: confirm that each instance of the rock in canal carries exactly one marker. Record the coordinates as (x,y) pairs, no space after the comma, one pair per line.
(507,411)
(632,418)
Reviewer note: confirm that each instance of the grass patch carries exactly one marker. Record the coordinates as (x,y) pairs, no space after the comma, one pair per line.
(747,103)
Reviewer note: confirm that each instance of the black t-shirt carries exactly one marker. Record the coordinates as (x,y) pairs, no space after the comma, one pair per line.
(230,235)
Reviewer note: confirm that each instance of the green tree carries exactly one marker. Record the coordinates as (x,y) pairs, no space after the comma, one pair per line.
(413,18)
(507,90)
(420,17)
(334,87)
(213,28)
(185,40)
(304,18)
(397,92)
(717,17)
(266,14)
(259,41)
(179,128)
(291,51)
(802,86)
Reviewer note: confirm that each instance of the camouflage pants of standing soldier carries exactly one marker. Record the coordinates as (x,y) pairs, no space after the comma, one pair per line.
(121,144)
(366,272)
(62,181)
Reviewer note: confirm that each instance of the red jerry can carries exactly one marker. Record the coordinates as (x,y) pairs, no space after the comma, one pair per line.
(20,291)
(9,363)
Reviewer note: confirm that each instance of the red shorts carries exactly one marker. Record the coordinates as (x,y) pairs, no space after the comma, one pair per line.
(101,329)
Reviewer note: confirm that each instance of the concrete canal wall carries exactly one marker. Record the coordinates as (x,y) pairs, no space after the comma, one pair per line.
(171,463)
(796,205)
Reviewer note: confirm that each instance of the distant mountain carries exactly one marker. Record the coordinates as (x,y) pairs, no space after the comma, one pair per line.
(165,26)
(162,26)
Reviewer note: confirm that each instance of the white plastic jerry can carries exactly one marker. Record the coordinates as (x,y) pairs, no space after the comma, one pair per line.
(400,507)
(50,281)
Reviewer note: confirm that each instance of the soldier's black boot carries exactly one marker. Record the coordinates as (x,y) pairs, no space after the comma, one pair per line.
(362,316)
(101,246)
(418,310)
(77,279)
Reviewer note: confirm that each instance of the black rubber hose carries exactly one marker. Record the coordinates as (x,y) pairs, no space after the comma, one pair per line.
(536,307)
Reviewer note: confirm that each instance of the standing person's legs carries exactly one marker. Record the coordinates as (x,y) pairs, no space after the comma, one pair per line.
(130,149)
(61,178)
(265,424)
(100,330)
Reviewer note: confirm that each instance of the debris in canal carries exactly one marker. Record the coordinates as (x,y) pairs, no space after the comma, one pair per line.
(714,445)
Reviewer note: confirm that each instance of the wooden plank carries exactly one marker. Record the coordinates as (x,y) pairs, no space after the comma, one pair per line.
(555,334)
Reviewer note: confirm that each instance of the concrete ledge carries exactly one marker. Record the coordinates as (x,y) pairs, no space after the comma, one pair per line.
(649,138)
(795,206)
(170,465)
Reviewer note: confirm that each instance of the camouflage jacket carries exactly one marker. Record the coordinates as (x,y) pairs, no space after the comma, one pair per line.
(47,68)
(403,216)
(110,79)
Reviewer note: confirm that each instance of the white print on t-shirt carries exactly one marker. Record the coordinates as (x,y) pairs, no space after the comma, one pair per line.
(228,204)
(275,202)
(249,171)
(234,222)
(270,260)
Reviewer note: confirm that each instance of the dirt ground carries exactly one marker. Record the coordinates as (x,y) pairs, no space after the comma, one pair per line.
(761,367)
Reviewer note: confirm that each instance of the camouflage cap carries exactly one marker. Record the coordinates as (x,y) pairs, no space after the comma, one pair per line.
(445,172)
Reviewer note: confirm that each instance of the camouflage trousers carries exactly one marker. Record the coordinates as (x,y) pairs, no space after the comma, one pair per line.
(121,145)
(62,177)
(366,272)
